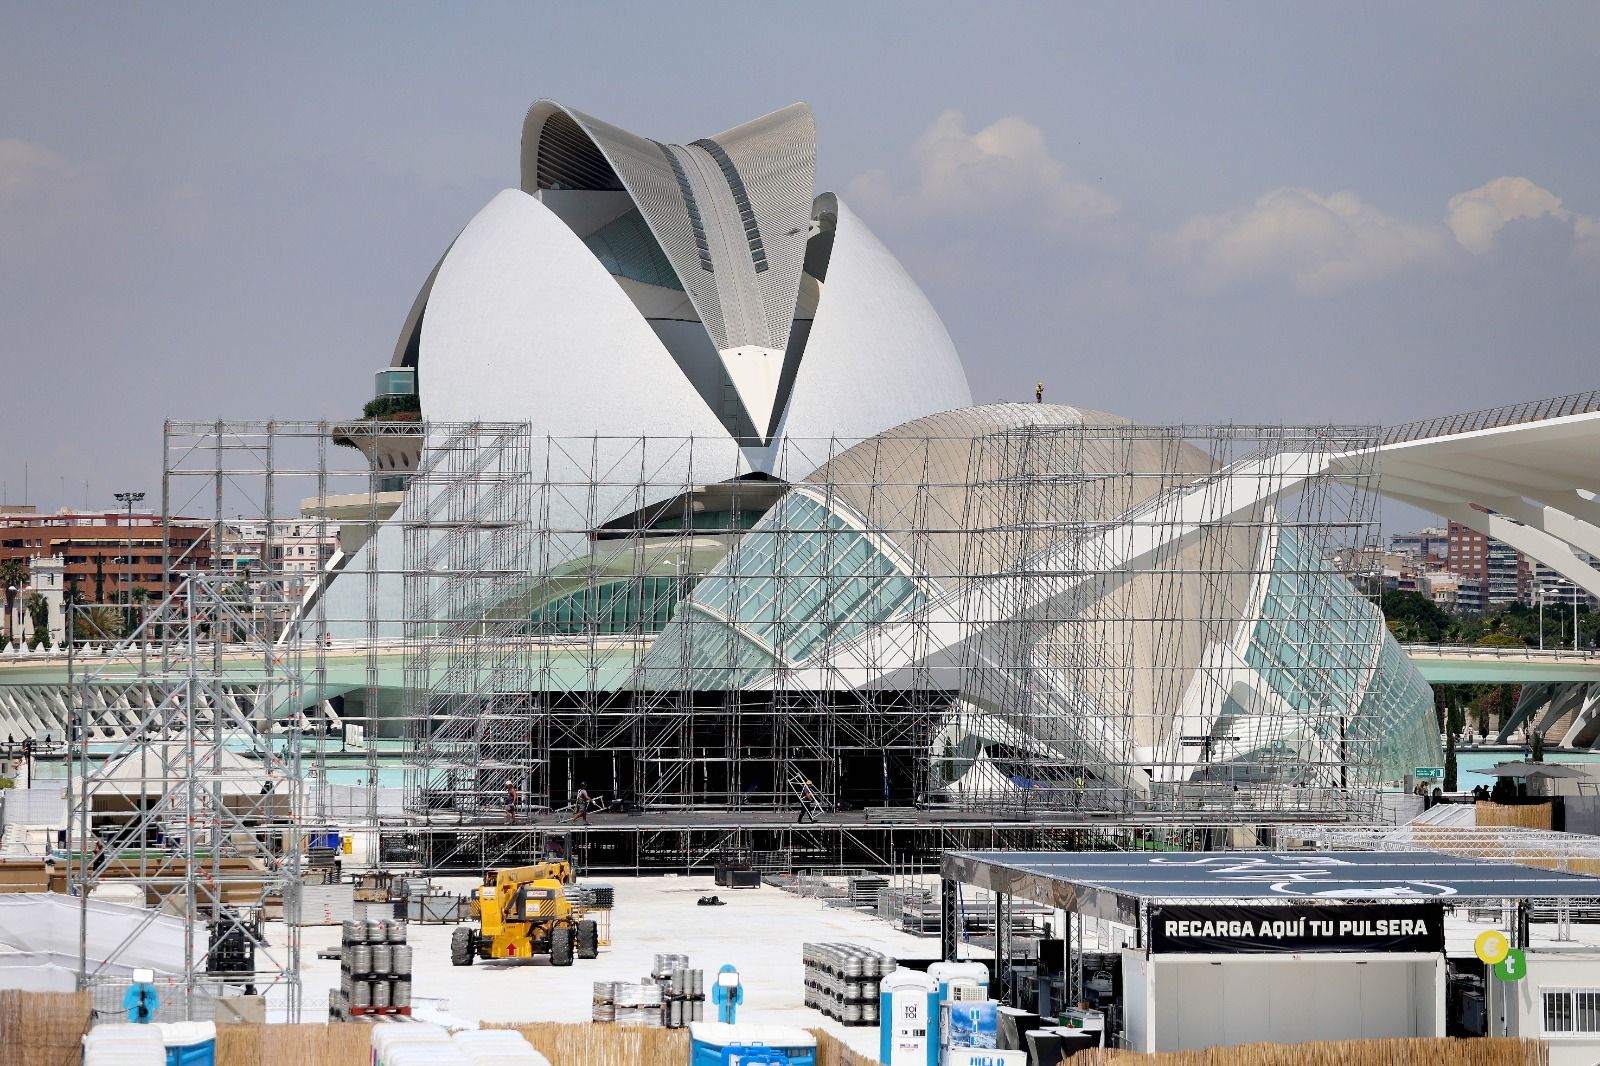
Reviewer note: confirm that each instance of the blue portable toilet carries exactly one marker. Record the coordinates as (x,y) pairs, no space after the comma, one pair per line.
(721,1044)
(190,1043)
(908,1005)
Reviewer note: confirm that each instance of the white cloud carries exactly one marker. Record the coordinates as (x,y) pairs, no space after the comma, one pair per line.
(1004,169)
(41,195)
(1477,216)
(1318,242)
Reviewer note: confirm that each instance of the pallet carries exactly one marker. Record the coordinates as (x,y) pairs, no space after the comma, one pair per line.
(357,1012)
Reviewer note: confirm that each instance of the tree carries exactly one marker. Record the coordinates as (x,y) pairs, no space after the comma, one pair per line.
(93,623)
(1449,762)
(38,611)
(1537,747)
(1413,614)
(99,579)
(13,577)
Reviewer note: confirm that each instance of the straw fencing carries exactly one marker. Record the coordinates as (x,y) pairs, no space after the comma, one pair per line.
(43,1028)
(1521,815)
(311,1044)
(579,1044)
(1422,1051)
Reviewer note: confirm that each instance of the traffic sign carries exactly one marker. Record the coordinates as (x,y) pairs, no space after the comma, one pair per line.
(1514,967)
(1491,946)
(1430,773)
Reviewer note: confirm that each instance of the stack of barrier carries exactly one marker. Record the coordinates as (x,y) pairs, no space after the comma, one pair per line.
(637,1003)
(604,1007)
(841,980)
(375,970)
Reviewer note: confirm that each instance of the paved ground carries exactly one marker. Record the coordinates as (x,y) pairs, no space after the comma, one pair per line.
(760,931)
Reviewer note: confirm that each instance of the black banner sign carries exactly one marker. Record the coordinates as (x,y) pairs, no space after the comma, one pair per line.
(1234,930)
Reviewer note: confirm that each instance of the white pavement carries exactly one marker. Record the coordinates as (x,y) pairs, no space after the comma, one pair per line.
(760,931)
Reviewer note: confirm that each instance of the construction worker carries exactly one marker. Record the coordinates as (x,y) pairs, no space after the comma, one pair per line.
(1038,393)
(808,799)
(511,802)
(580,806)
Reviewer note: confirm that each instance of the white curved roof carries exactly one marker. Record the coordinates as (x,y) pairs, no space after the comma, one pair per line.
(877,355)
(732,213)
(819,331)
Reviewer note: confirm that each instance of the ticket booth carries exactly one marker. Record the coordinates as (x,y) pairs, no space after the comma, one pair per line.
(1229,948)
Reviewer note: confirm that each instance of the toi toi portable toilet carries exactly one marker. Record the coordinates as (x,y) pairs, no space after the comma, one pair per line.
(961,980)
(721,1044)
(908,1005)
(955,982)
(189,1043)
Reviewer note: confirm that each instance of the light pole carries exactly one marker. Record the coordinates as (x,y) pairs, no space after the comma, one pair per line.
(129,498)
(1541,617)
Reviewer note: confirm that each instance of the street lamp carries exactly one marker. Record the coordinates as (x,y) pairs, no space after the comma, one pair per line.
(129,498)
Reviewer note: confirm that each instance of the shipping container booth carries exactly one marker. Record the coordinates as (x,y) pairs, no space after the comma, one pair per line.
(1227,948)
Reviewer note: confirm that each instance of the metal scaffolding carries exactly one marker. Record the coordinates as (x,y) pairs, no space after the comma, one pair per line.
(196,805)
(1013,620)
(1110,619)
(1165,628)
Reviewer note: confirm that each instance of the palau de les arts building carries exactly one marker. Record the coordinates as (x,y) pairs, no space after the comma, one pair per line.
(772,538)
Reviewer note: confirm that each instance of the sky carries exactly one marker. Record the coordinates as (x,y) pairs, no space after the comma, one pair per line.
(1352,213)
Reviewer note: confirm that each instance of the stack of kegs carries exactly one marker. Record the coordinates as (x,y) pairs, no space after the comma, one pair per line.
(683,995)
(375,969)
(841,980)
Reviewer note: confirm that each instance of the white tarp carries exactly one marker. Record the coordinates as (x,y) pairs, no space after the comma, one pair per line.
(34,806)
(44,927)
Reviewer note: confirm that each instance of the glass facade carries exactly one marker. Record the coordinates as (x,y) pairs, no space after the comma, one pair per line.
(628,606)
(1320,645)
(803,579)
(627,249)
(395,381)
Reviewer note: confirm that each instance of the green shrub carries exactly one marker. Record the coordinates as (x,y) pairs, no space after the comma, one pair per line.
(385,406)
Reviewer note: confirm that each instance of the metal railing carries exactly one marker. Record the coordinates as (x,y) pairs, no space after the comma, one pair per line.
(1491,651)
(1579,403)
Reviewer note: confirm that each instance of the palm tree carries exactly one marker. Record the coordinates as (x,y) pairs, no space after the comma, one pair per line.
(13,576)
(39,612)
(96,623)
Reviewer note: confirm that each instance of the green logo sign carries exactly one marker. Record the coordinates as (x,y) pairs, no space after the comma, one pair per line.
(1513,967)
(1430,773)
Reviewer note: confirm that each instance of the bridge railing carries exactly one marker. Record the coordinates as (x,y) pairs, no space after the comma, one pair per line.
(1578,403)
(1493,651)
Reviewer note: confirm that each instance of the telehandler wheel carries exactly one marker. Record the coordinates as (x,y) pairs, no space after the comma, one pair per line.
(462,948)
(588,939)
(561,946)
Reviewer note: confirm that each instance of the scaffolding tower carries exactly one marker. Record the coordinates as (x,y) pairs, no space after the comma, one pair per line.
(1166,626)
(1071,619)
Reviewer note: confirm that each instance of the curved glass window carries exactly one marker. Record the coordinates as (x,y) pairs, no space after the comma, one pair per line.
(1322,647)
(619,607)
(627,249)
(802,579)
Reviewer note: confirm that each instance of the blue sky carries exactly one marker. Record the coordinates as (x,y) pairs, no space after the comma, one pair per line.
(1354,213)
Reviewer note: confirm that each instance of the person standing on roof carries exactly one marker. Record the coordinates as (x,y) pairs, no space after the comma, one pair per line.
(808,800)
(1038,393)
